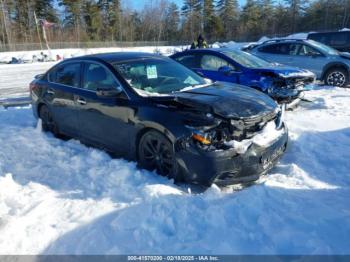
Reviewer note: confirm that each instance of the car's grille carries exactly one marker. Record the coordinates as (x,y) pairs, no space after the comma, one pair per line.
(246,128)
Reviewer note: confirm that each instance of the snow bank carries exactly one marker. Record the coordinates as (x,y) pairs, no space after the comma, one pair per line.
(27,56)
(61,197)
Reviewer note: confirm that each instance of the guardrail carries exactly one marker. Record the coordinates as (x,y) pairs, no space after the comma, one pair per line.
(13,102)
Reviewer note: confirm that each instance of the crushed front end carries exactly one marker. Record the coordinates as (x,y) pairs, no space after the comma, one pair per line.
(231,151)
(288,87)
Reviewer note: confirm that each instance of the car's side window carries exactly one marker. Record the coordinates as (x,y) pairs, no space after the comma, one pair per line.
(191,61)
(211,62)
(293,49)
(281,49)
(271,49)
(306,50)
(67,74)
(98,77)
(338,39)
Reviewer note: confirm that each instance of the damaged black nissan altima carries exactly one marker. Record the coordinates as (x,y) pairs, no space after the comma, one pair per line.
(151,109)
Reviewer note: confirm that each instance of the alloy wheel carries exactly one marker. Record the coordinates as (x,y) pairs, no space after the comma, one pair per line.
(156,153)
(336,78)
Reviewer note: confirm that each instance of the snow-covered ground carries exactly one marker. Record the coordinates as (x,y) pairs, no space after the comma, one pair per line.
(61,197)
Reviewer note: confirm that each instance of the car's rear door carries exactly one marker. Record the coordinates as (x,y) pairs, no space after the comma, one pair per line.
(64,83)
(281,53)
(103,121)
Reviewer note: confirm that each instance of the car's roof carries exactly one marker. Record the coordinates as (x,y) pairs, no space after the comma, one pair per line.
(283,40)
(119,56)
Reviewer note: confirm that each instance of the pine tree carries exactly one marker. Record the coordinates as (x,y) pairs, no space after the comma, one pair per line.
(172,22)
(73,11)
(44,9)
(92,19)
(110,12)
(267,17)
(192,13)
(251,20)
(229,13)
(296,8)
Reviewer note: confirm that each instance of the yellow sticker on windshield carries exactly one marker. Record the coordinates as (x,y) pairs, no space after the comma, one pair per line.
(152,72)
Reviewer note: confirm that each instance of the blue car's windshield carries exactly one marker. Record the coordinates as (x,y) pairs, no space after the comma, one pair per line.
(246,59)
(162,76)
(324,48)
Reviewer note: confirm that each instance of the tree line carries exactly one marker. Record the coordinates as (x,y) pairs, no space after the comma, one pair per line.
(163,20)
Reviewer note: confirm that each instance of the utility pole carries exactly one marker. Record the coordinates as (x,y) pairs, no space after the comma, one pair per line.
(37,29)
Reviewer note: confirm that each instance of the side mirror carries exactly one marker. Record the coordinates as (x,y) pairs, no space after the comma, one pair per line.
(110,92)
(226,70)
(39,76)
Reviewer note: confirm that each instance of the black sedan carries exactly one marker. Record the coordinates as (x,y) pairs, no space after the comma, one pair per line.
(151,109)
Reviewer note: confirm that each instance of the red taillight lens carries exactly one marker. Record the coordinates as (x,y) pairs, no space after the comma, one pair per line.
(31,87)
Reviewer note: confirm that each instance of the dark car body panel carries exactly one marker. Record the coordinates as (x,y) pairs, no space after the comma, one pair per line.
(339,40)
(116,124)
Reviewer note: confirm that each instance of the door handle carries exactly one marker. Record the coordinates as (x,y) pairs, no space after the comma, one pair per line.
(50,91)
(81,101)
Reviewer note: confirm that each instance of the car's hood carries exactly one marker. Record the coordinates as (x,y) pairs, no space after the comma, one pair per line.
(286,71)
(227,100)
(345,55)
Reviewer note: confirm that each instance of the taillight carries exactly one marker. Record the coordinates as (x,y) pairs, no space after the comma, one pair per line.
(31,87)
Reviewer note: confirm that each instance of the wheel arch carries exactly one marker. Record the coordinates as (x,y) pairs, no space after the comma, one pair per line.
(39,106)
(155,127)
(334,65)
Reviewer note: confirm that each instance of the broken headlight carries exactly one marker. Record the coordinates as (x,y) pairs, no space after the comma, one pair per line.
(280,117)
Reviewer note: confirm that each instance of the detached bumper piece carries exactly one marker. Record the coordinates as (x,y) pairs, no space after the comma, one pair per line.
(226,167)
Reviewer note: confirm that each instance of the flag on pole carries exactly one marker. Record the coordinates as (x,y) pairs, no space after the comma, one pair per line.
(46,23)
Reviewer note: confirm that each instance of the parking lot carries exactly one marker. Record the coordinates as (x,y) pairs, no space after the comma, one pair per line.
(63,197)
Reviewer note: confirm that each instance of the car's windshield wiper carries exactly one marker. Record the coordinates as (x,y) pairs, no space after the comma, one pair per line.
(193,87)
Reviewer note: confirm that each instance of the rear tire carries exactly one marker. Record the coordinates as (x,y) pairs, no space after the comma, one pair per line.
(156,152)
(337,77)
(47,122)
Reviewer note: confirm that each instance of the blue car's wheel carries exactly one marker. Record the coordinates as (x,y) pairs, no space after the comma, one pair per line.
(337,77)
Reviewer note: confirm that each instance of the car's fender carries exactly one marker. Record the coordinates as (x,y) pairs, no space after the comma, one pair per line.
(334,64)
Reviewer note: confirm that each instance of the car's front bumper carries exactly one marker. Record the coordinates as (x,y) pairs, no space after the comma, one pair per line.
(224,167)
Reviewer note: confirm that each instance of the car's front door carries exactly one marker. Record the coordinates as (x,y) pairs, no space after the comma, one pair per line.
(217,68)
(311,59)
(103,120)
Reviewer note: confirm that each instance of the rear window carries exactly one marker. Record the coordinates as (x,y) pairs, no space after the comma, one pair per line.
(67,74)
(190,61)
(281,49)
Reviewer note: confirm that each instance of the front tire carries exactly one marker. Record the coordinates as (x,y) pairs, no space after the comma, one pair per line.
(156,152)
(337,77)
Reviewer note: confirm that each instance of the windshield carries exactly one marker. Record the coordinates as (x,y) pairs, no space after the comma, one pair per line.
(324,48)
(158,76)
(246,59)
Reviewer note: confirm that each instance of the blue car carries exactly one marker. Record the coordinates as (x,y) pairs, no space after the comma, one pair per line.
(284,84)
